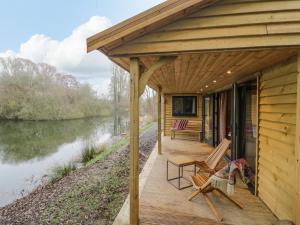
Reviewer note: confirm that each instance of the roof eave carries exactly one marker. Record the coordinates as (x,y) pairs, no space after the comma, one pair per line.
(145,22)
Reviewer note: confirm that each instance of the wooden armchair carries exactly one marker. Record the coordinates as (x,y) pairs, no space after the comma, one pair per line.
(212,161)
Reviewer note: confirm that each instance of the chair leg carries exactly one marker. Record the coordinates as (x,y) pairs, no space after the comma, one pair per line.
(194,195)
(213,208)
(230,199)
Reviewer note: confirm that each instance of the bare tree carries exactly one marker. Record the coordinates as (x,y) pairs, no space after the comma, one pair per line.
(119,94)
(148,103)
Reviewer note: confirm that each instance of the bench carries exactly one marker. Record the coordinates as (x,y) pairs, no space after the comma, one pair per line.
(192,127)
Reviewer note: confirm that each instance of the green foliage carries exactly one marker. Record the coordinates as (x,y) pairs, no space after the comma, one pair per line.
(102,155)
(29,97)
(88,154)
(62,171)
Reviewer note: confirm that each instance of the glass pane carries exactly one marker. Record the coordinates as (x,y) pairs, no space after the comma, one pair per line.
(184,105)
(250,128)
(209,120)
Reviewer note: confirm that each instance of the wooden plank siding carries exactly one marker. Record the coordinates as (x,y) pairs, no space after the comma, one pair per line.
(168,118)
(224,25)
(276,154)
(144,22)
(297,147)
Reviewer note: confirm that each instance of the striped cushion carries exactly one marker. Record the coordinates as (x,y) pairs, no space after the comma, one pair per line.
(180,124)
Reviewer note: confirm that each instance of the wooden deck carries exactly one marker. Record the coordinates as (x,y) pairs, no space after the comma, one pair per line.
(161,203)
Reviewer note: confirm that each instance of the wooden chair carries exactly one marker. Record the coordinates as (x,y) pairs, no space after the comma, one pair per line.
(203,186)
(210,164)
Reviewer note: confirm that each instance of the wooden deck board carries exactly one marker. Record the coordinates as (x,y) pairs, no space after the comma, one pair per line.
(154,215)
(161,203)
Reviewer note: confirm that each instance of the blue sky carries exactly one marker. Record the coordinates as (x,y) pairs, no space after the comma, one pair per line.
(55,32)
(57,18)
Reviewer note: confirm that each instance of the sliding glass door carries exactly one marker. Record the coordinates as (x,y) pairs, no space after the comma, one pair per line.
(247,121)
(211,119)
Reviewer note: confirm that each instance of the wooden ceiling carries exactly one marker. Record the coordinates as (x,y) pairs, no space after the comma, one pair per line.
(207,72)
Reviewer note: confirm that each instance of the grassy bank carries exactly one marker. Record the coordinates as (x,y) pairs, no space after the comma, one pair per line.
(98,195)
(62,171)
(92,154)
(124,141)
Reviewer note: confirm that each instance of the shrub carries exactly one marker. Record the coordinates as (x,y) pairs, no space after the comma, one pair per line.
(88,154)
(62,171)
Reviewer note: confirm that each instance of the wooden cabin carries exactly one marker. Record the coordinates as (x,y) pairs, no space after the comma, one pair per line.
(238,63)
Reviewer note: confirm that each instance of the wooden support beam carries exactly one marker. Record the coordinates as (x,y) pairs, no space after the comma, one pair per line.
(297,147)
(134,141)
(164,114)
(159,120)
(266,42)
(147,74)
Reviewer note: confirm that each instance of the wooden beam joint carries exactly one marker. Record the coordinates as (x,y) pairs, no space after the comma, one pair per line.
(145,77)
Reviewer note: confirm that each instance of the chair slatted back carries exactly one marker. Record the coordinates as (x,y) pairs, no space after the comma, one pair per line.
(215,157)
(199,180)
(180,124)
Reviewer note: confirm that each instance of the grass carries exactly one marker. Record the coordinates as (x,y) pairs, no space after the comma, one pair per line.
(90,152)
(94,202)
(62,171)
(124,141)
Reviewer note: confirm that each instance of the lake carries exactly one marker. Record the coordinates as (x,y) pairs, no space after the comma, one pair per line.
(29,150)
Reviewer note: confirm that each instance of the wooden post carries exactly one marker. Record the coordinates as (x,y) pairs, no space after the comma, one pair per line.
(134,141)
(159,120)
(297,147)
(164,114)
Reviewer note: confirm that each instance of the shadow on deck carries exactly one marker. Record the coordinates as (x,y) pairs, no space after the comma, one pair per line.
(161,203)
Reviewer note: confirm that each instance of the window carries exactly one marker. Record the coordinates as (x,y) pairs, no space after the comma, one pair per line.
(184,106)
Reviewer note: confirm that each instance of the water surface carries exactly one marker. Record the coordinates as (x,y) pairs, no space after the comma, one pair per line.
(30,150)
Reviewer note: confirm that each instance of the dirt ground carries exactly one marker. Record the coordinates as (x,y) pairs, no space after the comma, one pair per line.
(90,195)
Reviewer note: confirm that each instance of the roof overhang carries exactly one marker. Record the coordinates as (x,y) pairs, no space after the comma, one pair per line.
(219,43)
(145,22)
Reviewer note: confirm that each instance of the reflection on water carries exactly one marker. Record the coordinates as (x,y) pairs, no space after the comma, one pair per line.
(29,150)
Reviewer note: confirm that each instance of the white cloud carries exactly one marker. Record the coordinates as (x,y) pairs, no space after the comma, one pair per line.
(69,55)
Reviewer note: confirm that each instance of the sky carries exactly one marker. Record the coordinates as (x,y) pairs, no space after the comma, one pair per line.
(55,32)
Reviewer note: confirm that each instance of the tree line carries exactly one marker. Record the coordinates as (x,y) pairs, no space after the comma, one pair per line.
(39,92)
(30,97)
